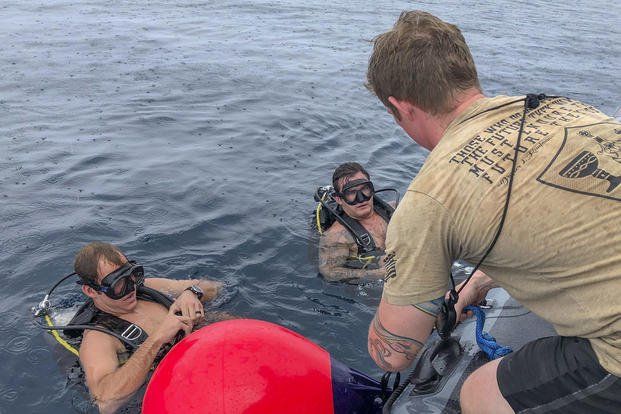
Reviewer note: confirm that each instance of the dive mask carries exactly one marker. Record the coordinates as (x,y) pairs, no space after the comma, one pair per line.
(357,191)
(121,282)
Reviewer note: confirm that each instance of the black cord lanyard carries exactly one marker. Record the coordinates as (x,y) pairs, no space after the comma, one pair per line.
(448,316)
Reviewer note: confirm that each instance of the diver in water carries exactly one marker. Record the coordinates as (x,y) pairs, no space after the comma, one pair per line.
(114,286)
(353,246)
(554,245)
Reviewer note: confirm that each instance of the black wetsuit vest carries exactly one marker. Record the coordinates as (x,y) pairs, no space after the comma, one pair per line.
(130,334)
(368,252)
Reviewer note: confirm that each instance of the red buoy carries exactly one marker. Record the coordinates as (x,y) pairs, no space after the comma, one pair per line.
(242,366)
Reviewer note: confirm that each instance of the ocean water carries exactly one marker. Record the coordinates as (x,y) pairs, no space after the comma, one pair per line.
(193,134)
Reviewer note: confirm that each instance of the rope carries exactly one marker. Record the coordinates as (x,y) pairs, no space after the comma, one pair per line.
(486,342)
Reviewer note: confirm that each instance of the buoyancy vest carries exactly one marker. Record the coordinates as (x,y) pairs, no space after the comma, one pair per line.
(368,253)
(328,211)
(131,335)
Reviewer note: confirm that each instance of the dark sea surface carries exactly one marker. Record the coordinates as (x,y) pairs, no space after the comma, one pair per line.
(193,134)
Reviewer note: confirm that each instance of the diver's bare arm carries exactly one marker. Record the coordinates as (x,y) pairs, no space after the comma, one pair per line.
(174,288)
(110,385)
(396,335)
(333,253)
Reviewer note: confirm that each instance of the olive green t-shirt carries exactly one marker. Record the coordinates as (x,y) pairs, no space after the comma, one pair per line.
(559,253)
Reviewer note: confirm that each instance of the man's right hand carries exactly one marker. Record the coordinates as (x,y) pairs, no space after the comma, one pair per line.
(171,325)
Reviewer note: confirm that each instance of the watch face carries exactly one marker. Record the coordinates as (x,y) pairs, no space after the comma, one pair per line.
(196,290)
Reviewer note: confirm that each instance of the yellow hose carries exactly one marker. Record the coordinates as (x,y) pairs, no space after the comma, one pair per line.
(317,211)
(60,340)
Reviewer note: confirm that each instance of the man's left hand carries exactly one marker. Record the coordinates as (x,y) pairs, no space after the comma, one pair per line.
(189,306)
(474,292)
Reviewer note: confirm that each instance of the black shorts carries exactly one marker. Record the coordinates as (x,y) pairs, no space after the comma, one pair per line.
(558,375)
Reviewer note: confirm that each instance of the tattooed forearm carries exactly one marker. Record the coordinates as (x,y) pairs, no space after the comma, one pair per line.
(385,345)
(336,272)
(334,251)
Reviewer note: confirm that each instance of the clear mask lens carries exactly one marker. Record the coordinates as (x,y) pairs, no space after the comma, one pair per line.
(357,192)
(122,281)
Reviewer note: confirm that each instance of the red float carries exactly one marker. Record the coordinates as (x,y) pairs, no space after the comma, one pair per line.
(242,366)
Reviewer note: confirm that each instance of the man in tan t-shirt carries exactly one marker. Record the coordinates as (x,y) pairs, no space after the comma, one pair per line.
(558,251)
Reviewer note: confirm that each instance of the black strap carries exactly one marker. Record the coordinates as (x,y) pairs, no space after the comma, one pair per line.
(153,295)
(361,235)
(382,208)
(132,335)
(364,239)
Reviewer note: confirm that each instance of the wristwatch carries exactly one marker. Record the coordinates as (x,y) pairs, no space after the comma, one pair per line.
(196,290)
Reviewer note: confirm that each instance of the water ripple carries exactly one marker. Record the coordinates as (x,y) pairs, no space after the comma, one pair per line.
(18,345)
(9,321)
(8,393)
(37,355)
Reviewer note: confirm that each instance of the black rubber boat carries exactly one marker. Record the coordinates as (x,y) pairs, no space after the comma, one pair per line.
(433,385)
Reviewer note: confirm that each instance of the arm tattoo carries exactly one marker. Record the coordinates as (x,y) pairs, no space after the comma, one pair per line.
(334,250)
(385,344)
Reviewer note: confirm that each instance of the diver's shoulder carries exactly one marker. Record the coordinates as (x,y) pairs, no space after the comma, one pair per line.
(337,233)
(97,340)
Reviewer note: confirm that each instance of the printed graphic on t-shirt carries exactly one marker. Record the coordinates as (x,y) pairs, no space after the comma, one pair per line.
(390,266)
(489,155)
(588,162)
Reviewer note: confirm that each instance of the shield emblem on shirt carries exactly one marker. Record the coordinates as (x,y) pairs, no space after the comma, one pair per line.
(588,161)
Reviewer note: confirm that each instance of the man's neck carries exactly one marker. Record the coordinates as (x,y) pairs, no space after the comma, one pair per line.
(368,219)
(437,125)
(112,311)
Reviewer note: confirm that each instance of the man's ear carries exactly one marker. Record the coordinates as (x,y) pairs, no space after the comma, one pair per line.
(405,109)
(89,291)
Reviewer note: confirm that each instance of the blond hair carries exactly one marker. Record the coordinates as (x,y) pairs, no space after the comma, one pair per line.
(422,60)
(87,260)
